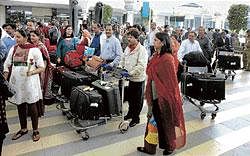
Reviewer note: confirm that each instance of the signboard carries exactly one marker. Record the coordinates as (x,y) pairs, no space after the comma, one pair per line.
(145,9)
(41,12)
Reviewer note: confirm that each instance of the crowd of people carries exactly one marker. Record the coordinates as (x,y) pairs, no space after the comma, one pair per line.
(153,60)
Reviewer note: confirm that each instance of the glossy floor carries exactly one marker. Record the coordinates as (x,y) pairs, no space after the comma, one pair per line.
(227,135)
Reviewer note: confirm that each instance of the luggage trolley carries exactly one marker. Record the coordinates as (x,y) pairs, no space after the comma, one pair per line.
(81,126)
(204,87)
(227,62)
(116,73)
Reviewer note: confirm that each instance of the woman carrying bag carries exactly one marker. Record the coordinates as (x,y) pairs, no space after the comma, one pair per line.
(164,101)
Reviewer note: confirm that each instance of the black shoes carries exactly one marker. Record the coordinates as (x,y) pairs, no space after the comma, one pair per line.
(134,122)
(143,150)
(167,152)
(127,117)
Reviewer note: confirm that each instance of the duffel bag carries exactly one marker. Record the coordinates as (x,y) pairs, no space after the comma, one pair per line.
(72,59)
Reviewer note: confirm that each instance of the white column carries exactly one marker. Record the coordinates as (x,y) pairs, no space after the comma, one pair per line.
(84,5)
(2,15)
(130,17)
(129,7)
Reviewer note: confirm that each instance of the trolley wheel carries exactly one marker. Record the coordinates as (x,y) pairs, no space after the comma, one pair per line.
(79,131)
(85,135)
(202,103)
(233,77)
(203,115)
(123,126)
(63,113)
(213,116)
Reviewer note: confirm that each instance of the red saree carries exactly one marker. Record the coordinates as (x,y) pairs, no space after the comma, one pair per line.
(46,76)
(175,45)
(161,70)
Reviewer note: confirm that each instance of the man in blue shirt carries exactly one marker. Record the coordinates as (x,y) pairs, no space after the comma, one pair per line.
(9,39)
(111,49)
(95,43)
(3,52)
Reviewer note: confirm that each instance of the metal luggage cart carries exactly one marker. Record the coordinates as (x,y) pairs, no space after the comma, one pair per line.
(203,92)
(116,74)
(225,66)
(81,126)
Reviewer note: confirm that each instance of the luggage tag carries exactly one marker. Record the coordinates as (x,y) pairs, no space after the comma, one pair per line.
(94,105)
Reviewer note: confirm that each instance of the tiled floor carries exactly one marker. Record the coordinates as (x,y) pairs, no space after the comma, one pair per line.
(227,135)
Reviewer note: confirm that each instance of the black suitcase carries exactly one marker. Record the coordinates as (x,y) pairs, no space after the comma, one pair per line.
(91,76)
(86,104)
(111,97)
(71,79)
(230,62)
(203,86)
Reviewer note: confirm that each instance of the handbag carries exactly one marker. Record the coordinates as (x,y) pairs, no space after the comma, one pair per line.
(6,89)
(152,133)
(95,62)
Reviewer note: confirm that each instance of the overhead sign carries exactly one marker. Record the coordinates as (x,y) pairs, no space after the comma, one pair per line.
(145,9)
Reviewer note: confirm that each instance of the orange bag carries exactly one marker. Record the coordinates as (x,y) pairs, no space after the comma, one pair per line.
(95,62)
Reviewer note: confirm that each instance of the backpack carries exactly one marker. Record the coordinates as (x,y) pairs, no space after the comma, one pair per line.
(72,59)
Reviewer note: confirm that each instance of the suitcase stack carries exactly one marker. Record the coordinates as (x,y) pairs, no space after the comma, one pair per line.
(86,103)
(229,61)
(71,79)
(203,86)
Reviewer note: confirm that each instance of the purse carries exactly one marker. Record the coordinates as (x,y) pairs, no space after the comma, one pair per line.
(95,62)
(6,90)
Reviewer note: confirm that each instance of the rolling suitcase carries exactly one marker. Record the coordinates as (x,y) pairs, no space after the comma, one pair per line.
(86,103)
(71,79)
(111,97)
(203,86)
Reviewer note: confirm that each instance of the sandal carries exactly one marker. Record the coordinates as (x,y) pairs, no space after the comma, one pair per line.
(167,152)
(35,136)
(19,134)
(143,150)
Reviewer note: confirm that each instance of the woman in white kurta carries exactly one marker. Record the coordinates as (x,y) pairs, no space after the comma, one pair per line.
(27,63)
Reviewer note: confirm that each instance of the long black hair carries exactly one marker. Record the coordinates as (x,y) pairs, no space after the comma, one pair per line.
(165,39)
(65,35)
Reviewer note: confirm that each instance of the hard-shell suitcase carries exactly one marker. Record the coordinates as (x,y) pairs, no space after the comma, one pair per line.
(203,86)
(86,103)
(226,60)
(111,97)
(71,79)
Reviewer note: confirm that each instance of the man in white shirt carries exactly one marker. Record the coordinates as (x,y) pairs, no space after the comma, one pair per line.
(188,46)
(151,37)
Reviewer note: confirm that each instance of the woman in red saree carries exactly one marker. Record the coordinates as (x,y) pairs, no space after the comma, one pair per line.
(164,100)
(46,76)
